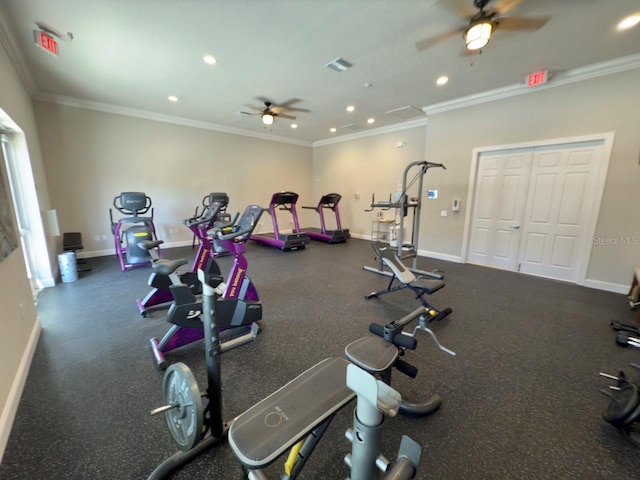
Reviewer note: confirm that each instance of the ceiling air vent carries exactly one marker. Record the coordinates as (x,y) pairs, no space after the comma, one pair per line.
(407,113)
(339,65)
(351,126)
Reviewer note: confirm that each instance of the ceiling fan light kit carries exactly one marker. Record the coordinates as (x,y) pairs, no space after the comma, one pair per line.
(478,34)
(267,119)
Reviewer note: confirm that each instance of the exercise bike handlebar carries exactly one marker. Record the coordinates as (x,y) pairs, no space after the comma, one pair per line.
(206,216)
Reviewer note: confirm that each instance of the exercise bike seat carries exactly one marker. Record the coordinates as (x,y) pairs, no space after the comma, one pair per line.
(268,429)
(150,244)
(166,266)
(373,354)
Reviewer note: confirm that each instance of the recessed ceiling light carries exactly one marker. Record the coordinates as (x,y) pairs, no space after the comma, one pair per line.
(294,125)
(210,59)
(350,108)
(629,22)
(371,120)
(172,98)
(332,130)
(442,80)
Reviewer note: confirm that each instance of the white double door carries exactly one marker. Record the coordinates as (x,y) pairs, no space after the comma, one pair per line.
(533,206)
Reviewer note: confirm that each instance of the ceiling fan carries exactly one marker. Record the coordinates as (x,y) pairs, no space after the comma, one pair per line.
(269,112)
(482,24)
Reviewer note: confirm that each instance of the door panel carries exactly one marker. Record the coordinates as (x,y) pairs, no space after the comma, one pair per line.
(557,209)
(499,208)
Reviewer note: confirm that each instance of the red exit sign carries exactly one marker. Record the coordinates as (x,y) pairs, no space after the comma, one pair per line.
(46,42)
(537,78)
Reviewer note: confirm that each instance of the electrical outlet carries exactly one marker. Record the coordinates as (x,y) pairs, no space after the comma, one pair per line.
(443,213)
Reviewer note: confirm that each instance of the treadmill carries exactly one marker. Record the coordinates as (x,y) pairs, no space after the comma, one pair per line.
(296,240)
(329,201)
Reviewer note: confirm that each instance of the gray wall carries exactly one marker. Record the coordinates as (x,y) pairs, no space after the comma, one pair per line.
(606,104)
(92,156)
(18,321)
(365,166)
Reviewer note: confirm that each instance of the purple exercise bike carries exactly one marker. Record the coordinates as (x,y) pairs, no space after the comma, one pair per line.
(238,307)
(214,209)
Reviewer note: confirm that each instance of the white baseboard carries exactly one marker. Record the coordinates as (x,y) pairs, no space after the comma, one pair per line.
(606,286)
(13,400)
(440,256)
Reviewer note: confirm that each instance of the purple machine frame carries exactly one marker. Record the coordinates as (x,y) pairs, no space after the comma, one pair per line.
(329,201)
(239,306)
(133,204)
(215,205)
(284,241)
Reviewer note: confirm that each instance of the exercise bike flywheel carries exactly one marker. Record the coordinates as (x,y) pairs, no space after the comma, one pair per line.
(185,417)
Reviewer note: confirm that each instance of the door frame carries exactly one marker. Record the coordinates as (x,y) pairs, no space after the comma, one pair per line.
(591,223)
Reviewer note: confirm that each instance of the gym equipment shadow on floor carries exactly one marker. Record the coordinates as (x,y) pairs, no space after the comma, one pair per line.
(520,400)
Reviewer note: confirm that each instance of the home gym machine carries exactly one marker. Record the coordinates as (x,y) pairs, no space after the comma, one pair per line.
(623,411)
(214,209)
(239,306)
(297,415)
(401,205)
(284,241)
(133,228)
(323,234)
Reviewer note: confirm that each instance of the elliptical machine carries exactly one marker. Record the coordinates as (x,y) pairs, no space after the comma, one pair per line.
(239,306)
(214,209)
(128,231)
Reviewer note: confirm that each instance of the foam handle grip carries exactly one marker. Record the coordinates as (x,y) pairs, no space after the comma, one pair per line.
(441,315)
(399,340)
(406,368)
(405,341)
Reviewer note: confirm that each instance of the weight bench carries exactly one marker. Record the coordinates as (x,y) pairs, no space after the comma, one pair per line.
(71,242)
(420,286)
(304,405)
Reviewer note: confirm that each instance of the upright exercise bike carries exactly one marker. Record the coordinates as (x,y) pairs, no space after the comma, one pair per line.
(133,228)
(214,209)
(239,306)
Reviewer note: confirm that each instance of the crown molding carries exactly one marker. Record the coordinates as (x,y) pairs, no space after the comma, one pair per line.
(10,45)
(396,127)
(558,79)
(159,117)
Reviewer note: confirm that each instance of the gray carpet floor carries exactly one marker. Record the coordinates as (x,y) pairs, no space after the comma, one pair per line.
(520,399)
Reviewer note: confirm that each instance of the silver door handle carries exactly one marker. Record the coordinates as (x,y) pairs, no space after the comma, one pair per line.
(515,227)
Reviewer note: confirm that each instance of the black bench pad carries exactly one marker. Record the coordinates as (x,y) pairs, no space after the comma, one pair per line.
(372,354)
(268,429)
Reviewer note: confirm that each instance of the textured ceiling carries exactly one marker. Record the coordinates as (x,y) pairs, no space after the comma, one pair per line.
(135,53)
